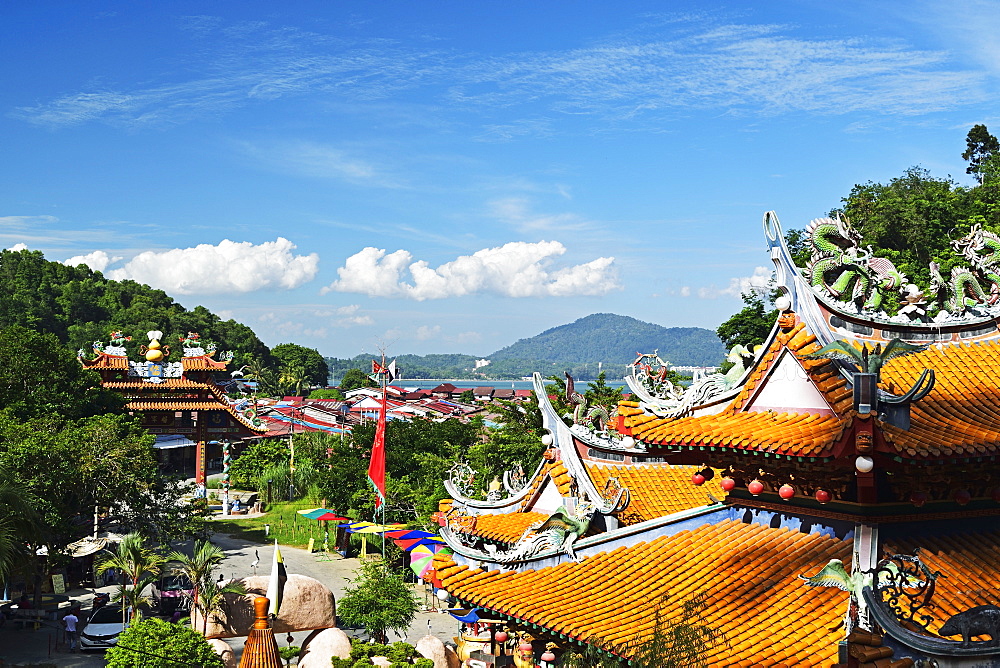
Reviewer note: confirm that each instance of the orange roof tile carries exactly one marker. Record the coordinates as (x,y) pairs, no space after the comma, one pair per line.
(969,562)
(654,490)
(503,527)
(745,571)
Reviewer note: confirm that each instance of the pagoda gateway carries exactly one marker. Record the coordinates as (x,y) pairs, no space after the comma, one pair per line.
(181,399)
(832,500)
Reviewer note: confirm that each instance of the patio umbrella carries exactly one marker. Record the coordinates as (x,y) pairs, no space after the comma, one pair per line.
(421,563)
(323,515)
(400,534)
(376,528)
(410,543)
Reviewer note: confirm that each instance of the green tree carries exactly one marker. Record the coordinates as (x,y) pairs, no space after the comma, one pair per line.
(981,148)
(750,326)
(467,397)
(154,643)
(355,378)
(600,394)
(680,643)
(134,560)
(19,519)
(331,393)
(313,364)
(212,597)
(255,459)
(39,376)
(197,567)
(378,600)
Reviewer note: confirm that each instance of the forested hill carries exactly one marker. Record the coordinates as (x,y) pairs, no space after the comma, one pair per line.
(615,339)
(80,306)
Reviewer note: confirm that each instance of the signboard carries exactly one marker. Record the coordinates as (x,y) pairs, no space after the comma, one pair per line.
(58,583)
(312,545)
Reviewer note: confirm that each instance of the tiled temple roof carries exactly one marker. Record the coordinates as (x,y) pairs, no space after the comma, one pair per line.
(969,563)
(746,571)
(503,527)
(654,490)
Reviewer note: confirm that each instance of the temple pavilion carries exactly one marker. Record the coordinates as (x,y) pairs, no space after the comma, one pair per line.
(182,402)
(833,499)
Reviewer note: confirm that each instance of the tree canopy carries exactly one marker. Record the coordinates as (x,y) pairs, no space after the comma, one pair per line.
(312,364)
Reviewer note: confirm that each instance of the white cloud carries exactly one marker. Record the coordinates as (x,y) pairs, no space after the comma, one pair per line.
(759,283)
(18,247)
(228,267)
(348,317)
(516,269)
(515,211)
(694,63)
(685,291)
(425,332)
(98,260)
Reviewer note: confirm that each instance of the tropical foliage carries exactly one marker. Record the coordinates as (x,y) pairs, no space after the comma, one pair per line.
(154,643)
(139,566)
(377,600)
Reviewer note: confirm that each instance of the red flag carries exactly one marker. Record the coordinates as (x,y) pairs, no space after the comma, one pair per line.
(376,467)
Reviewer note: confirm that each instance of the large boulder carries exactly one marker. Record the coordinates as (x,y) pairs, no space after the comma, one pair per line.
(322,646)
(225,652)
(431,647)
(306,604)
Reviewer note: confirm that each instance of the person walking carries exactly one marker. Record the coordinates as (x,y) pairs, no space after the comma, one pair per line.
(72,636)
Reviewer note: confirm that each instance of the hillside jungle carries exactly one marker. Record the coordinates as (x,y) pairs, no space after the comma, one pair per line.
(67,447)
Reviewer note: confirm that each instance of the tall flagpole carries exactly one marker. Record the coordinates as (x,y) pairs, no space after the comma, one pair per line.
(385,384)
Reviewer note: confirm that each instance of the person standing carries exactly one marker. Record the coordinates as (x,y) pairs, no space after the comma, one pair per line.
(71,621)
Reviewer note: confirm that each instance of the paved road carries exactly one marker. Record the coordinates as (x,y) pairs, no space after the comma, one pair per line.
(23,646)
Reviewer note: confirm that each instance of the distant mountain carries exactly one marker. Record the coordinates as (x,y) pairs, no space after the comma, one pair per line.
(579,347)
(615,339)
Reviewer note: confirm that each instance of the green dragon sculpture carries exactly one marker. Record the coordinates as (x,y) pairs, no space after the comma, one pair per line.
(982,249)
(957,294)
(595,418)
(840,268)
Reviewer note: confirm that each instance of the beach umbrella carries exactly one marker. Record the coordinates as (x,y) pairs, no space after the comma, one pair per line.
(400,534)
(355,526)
(421,564)
(376,528)
(323,515)
(410,543)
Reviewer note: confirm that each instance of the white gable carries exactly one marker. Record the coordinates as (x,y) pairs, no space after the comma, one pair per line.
(787,389)
(548,500)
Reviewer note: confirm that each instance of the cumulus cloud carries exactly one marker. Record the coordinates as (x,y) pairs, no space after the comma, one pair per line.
(759,283)
(228,267)
(98,260)
(18,247)
(516,269)
(348,316)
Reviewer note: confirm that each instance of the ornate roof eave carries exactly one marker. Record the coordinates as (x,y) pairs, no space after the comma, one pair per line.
(513,500)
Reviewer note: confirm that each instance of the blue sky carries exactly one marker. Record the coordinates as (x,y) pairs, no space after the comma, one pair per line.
(452,176)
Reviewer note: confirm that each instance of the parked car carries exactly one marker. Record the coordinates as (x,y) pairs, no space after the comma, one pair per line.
(102,628)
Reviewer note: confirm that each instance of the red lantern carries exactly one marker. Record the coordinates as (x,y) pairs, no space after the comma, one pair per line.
(822,495)
(728,484)
(501,636)
(698,479)
(786,492)
(525,647)
(548,656)
(962,497)
(918,498)
(756,487)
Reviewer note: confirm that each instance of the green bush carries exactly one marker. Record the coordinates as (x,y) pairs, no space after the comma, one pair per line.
(342,663)
(424,663)
(154,643)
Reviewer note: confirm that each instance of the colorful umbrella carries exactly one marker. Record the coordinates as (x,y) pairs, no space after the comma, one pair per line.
(407,533)
(323,515)
(375,528)
(410,543)
(422,563)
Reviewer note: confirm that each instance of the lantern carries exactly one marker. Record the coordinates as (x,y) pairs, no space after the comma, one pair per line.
(525,647)
(756,487)
(698,479)
(822,495)
(918,498)
(548,656)
(864,464)
(546,439)
(728,484)
(786,492)
(501,636)
(962,497)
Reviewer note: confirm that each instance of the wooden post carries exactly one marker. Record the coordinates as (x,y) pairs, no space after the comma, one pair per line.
(200,461)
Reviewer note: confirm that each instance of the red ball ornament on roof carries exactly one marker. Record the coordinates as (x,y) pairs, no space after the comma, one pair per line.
(822,495)
(786,492)
(728,484)
(918,498)
(548,656)
(756,487)
(962,497)
(698,479)
(501,636)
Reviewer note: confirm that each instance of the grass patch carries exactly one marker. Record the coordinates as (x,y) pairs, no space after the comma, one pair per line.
(287,526)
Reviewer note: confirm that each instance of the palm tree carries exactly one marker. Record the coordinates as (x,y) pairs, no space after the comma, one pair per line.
(18,518)
(198,567)
(133,559)
(213,596)
(293,379)
(132,598)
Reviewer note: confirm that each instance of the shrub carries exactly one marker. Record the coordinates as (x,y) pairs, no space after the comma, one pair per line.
(154,643)
(424,663)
